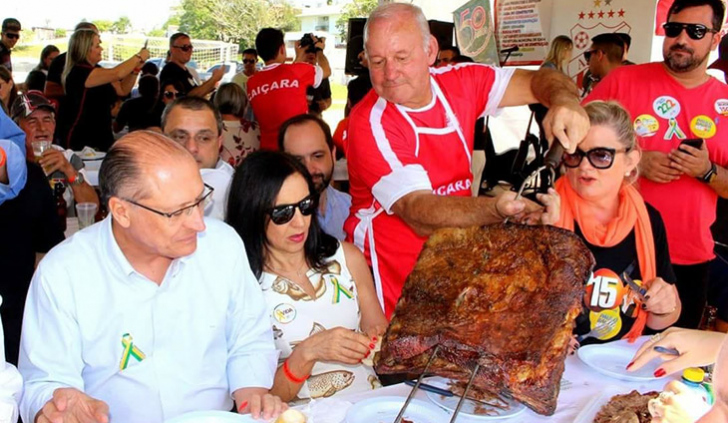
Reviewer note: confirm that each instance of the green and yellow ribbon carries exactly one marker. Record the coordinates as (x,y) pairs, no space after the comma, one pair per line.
(338,290)
(673,130)
(130,350)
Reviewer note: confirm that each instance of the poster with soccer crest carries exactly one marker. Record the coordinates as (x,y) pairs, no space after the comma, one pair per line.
(583,19)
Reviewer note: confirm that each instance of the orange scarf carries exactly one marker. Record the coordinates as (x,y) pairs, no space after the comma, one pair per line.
(632,213)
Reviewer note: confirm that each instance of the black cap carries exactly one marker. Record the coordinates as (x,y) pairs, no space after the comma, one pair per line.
(11,24)
(25,104)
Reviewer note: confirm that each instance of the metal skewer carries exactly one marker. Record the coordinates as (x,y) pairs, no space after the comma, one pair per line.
(525,183)
(551,162)
(465,393)
(417,386)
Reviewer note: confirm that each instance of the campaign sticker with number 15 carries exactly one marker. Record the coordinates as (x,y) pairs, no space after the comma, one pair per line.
(604,291)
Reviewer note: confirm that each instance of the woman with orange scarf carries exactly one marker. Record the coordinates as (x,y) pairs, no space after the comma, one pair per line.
(600,204)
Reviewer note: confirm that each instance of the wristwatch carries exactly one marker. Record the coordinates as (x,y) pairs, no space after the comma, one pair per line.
(78,180)
(711,174)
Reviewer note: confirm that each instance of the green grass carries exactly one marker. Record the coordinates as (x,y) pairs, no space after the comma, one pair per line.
(338,92)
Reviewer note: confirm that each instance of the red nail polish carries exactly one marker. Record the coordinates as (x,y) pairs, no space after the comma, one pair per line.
(630,365)
(368,352)
(242,406)
(660,372)
(374,339)
(371,346)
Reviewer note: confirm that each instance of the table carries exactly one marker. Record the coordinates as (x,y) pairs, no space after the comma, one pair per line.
(580,384)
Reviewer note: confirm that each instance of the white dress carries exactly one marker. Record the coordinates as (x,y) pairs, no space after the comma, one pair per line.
(295,316)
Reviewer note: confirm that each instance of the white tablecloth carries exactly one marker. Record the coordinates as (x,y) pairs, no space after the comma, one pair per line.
(581,384)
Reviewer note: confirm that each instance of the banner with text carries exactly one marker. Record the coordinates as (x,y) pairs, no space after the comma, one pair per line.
(474,32)
(583,19)
(523,24)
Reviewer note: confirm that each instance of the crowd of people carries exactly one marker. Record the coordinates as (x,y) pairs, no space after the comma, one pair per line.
(229,272)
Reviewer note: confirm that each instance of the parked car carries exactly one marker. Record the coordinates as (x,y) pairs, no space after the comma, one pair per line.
(160,62)
(231,68)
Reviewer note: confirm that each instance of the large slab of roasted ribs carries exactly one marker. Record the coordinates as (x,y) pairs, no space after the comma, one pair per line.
(504,296)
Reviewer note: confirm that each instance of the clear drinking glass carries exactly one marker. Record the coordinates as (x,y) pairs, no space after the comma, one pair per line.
(86,213)
(39,147)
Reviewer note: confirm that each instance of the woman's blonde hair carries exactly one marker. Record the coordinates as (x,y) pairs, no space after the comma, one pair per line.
(556,53)
(611,114)
(79,47)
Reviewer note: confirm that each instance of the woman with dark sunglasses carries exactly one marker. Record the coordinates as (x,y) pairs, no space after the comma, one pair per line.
(625,234)
(320,295)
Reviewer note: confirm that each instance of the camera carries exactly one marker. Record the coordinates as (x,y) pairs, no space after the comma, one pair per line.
(308,41)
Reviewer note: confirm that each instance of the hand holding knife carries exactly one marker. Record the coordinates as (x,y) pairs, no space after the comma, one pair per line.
(640,291)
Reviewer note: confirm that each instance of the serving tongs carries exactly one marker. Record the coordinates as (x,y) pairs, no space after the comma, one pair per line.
(551,162)
(419,382)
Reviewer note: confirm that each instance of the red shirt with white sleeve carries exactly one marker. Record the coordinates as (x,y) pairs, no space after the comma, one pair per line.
(393,151)
(664,113)
(278,93)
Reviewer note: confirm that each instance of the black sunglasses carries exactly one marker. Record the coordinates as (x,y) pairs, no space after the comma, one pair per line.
(599,158)
(695,31)
(249,61)
(12,35)
(170,94)
(175,215)
(185,48)
(280,215)
(588,54)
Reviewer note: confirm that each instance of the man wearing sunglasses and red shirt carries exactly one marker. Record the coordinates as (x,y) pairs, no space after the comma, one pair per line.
(8,39)
(670,103)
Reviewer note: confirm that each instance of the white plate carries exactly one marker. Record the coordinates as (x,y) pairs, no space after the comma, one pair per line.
(590,410)
(469,407)
(612,358)
(97,155)
(212,417)
(385,410)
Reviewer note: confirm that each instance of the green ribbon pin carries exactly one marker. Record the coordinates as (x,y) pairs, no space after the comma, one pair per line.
(674,130)
(338,290)
(130,350)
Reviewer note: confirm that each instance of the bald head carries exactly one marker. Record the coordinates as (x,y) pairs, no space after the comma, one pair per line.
(128,168)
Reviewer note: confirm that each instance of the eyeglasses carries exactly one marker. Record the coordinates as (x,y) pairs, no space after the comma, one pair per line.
(695,31)
(280,215)
(249,61)
(186,211)
(12,35)
(588,54)
(170,94)
(185,48)
(599,158)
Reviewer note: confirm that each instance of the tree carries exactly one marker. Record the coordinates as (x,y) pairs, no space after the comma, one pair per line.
(121,26)
(103,25)
(355,9)
(60,33)
(235,21)
(156,32)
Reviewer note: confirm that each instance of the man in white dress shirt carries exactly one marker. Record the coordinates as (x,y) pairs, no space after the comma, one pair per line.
(11,385)
(196,125)
(133,319)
